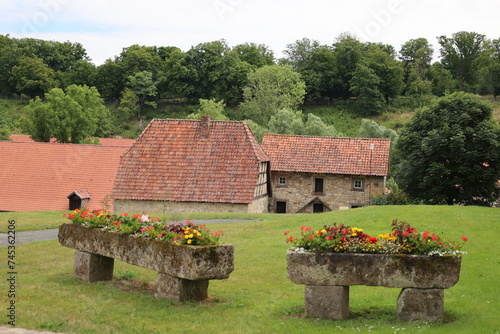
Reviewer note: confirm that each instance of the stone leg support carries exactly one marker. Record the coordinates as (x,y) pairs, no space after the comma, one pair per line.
(92,267)
(420,304)
(327,302)
(179,290)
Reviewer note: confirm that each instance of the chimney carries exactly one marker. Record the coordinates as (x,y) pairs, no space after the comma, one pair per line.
(205,127)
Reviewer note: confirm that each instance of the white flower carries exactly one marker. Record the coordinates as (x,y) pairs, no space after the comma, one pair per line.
(144,218)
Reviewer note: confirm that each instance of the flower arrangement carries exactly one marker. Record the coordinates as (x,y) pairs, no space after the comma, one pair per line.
(183,233)
(403,239)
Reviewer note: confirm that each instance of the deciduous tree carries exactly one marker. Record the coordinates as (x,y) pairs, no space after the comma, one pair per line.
(70,117)
(450,153)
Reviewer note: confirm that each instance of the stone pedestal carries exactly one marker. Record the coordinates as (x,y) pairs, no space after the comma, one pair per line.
(327,302)
(420,304)
(327,277)
(92,267)
(179,289)
(183,271)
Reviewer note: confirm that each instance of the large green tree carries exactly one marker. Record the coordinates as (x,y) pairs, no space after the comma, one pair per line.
(272,88)
(459,54)
(70,117)
(450,153)
(365,85)
(32,77)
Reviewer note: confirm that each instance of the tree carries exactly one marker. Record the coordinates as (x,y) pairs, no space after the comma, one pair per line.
(365,86)
(32,77)
(211,108)
(381,59)
(459,54)
(70,117)
(271,88)
(450,153)
(256,55)
(347,53)
(370,129)
(143,85)
(416,55)
(292,123)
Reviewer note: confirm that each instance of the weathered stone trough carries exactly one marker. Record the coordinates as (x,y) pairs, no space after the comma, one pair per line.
(327,277)
(183,271)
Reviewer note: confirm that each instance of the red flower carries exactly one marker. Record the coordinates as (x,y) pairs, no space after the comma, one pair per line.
(434,237)
(373,240)
(307,229)
(290,239)
(286,232)
(119,224)
(311,237)
(465,239)
(405,233)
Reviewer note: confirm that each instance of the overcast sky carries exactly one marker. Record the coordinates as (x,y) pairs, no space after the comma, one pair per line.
(104,27)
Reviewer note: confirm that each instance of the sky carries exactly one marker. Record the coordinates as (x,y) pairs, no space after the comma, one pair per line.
(105,27)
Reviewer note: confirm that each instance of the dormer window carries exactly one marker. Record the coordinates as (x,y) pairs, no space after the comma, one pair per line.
(78,199)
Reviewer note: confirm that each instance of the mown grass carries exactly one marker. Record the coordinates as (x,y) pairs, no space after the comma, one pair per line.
(258,297)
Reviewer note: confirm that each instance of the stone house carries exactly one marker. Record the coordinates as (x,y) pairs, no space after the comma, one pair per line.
(193,165)
(318,174)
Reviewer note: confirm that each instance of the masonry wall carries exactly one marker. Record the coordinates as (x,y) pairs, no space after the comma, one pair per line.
(339,192)
(172,207)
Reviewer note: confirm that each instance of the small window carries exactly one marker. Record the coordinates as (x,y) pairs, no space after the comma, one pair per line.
(318,185)
(358,185)
(282,181)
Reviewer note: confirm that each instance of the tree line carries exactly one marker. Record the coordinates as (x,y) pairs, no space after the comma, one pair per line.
(373,73)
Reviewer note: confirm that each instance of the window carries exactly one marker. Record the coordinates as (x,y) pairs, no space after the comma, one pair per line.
(280,207)
(318,186)
(282,181)
(318,208)
(357,185)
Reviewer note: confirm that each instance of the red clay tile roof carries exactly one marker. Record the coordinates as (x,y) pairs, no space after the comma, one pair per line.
(169,162)
(327,155)
(40,176)
(104,141)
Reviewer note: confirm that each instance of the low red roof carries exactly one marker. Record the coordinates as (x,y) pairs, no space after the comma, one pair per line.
(40,176)
(327,155)
(104,141)
(173,161)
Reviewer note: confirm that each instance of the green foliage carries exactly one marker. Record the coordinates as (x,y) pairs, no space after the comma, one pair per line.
(370,129)
(144,87)
(365,86)
(272,88)
(70,116)
(450,153)
(211,108)
(32,77)
(459,54)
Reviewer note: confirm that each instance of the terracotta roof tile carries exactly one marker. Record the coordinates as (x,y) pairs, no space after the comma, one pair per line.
(40,176)
(104,141)
(171,162)
(329,155)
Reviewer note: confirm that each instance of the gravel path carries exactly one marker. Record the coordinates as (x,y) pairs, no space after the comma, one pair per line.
(51,234)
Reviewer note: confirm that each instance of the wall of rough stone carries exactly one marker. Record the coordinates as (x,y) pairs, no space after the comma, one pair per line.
(298,191)
(258,206)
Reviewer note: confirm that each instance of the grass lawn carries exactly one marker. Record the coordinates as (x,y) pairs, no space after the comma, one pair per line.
(258,297)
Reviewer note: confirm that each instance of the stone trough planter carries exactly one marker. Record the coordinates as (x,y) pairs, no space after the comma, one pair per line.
(327,277)
(183,271)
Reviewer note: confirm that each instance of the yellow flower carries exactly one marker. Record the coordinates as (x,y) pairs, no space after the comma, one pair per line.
(189,241)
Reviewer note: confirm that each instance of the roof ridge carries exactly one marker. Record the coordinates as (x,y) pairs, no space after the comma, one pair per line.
(328,137)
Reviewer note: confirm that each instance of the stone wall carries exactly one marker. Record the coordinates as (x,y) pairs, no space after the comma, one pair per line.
(172,207)
(298,191)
